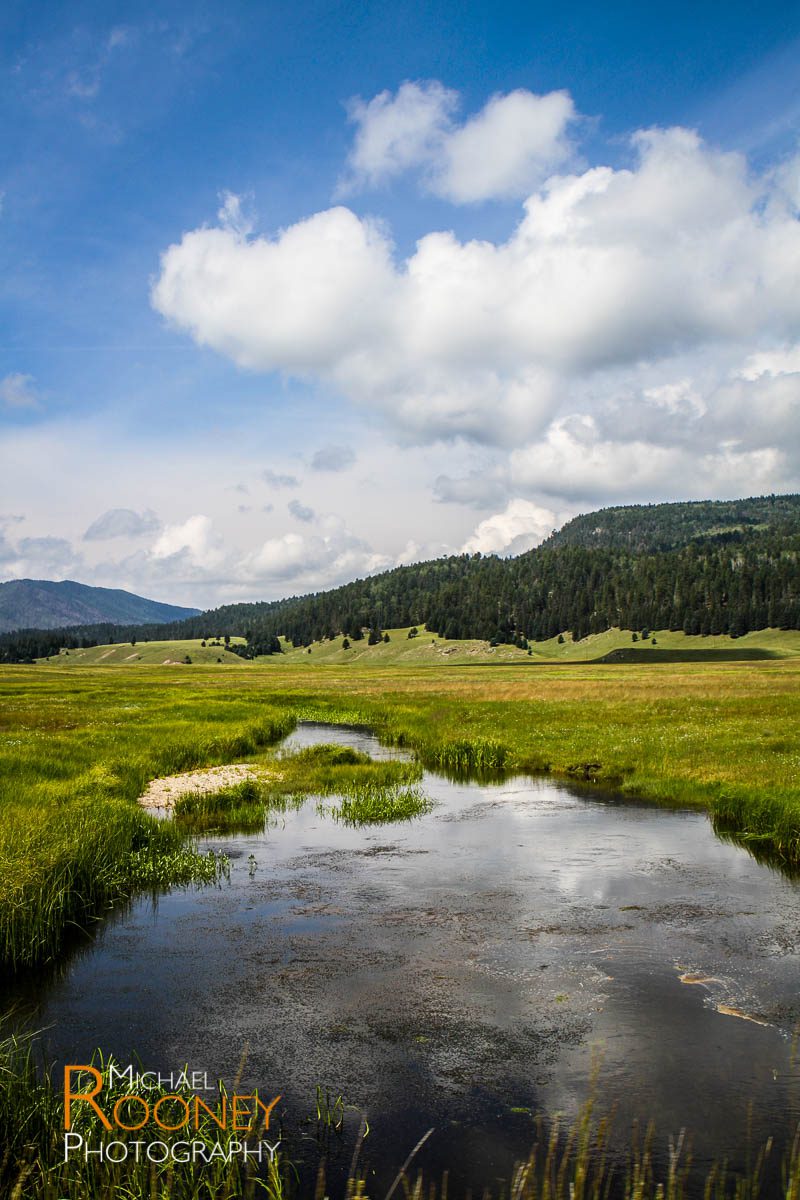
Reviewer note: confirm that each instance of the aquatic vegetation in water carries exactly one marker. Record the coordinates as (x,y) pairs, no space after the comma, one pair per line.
(367,792)
(767,825)
(329,1108)
(325,770)
(462,757)
(371,805)
(240,806)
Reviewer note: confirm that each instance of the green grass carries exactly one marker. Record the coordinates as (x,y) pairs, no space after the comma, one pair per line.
(77,748)
(73,842)
(370,805)
(240,807)
(159,654)
(326,770)
(429,650)
(60,869)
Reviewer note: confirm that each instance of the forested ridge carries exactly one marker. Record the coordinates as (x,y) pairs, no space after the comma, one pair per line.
(656,527)
(709,567)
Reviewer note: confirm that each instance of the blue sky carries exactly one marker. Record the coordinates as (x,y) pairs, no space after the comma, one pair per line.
(294,292)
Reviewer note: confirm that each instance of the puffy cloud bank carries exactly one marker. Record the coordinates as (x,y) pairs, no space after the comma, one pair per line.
(636,335)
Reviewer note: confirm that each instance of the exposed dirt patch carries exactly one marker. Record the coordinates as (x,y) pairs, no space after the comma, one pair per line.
(162,793)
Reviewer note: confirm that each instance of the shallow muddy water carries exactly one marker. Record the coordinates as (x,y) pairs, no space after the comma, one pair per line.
(445,972)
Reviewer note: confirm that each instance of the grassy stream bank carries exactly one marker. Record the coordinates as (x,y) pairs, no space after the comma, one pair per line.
(76,750)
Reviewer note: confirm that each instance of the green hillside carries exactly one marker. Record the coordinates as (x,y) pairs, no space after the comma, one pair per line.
(168,653)
(425,650)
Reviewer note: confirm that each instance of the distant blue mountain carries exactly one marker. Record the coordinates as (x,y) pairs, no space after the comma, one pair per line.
(43,604)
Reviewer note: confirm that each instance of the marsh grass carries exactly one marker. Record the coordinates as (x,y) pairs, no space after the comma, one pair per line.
(370,805)
(73,840)
(60,871)
(767,825)
(368,792)
(238,807)
(325,770)
(479,758)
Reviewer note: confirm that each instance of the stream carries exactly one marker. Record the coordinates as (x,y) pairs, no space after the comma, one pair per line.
(462,972)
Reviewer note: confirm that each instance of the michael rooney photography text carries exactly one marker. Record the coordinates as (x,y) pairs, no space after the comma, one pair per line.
(177,1106)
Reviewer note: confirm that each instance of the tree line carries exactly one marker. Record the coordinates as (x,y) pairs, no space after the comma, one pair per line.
(743,575)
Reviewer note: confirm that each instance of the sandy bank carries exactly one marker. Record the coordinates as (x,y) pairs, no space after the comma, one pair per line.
(162,793)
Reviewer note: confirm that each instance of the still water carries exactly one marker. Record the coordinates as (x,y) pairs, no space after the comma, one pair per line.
(445,972)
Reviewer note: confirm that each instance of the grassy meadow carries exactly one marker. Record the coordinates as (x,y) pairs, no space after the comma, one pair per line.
(77,748)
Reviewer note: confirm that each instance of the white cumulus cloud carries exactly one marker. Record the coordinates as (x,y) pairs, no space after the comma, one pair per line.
(502,152)
(324,558)
(397,132)
(194,540)
(575,462)
(507,150)
(521,526)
